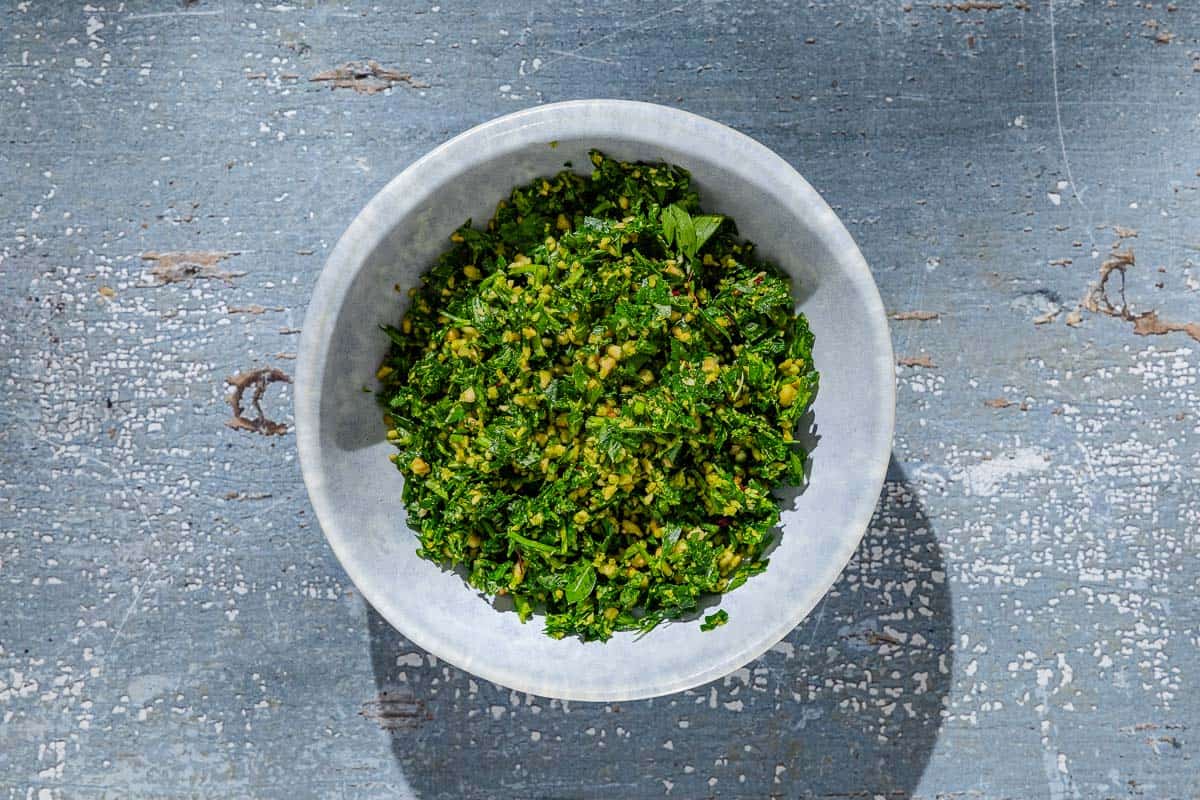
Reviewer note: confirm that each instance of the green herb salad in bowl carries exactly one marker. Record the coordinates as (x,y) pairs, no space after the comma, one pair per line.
(600,400)
(593,397)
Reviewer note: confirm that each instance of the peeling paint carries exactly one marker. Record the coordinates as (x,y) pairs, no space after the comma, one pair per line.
(258,380)
(367,77)
(177,267)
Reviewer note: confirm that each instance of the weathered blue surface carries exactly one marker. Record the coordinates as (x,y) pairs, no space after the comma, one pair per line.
(1021,620)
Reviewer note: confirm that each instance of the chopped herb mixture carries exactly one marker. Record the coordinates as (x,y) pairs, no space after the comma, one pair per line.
(593,398)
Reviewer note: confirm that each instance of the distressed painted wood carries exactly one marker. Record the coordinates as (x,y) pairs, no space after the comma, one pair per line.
(1021,620)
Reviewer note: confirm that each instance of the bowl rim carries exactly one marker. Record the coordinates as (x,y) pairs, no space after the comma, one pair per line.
(374,223)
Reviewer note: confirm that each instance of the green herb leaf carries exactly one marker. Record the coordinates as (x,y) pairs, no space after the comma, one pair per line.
(714,621)
(580,582)
(396,336)
(670,223)
(686,232)
(705,226)
(532,544)
(682,230)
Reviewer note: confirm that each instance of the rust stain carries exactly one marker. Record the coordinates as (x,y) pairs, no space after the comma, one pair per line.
(394,711)
(367,77)
(186,265)
(999,402)
(258,379)
(919,316)
(917,361)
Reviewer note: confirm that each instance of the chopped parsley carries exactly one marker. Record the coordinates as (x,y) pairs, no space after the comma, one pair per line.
(593,397)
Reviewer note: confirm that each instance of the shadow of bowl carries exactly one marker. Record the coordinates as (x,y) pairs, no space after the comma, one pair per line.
(849,704)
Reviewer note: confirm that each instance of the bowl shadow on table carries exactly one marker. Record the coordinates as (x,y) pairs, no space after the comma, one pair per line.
(848,705)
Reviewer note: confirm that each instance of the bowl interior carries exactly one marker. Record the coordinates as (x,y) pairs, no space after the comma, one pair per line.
(356,491)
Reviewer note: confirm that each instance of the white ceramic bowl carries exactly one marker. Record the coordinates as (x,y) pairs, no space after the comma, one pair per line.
(356,491)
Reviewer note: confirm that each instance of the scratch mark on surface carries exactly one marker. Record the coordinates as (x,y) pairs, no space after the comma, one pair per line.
(1062,142)
(1087,463)
(172,14)
(569,54)
(626,29)
(817,625)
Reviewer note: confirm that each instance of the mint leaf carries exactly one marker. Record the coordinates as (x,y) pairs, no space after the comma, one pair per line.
(705,226)
(685,232)
(679,230)
(580,582)
(668,223)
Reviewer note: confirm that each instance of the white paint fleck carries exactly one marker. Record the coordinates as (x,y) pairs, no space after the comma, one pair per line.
(987,478)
